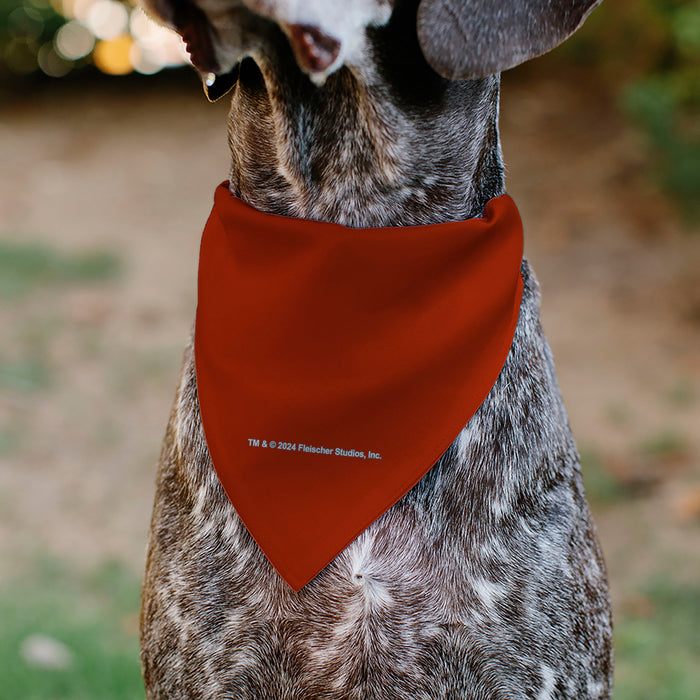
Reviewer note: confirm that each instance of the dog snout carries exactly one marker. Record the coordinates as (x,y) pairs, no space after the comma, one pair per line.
(315,51)
(324,34)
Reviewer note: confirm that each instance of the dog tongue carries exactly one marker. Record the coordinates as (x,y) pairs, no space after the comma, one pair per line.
(314,50)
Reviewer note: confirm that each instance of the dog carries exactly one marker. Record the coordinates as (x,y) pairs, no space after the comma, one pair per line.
(486,579)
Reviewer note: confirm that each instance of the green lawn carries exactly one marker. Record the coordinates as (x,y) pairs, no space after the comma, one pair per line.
(28,265)
(93,618)
(657,646)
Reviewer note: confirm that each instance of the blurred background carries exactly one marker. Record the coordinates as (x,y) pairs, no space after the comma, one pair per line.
(109,155)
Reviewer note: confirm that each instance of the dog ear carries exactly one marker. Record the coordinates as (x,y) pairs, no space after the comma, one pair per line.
(190,22)
(473,38)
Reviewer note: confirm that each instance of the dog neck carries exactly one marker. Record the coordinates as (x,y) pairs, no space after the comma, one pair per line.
(390,143)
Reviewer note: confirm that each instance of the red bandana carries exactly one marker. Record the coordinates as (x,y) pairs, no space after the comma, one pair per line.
(335,365)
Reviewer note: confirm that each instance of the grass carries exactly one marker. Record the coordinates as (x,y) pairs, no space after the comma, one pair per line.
(11,434)
(657,645)
(643,469)
(667,444)
(8,441)
(682,394)
(658,652)
(94,617)
(619,414)
(25,376)
(27,266)
(601,486)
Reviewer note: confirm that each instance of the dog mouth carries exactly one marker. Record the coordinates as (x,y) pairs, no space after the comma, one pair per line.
(217,48)
(315,53)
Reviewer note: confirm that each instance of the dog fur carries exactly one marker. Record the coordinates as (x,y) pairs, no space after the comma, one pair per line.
(486,579)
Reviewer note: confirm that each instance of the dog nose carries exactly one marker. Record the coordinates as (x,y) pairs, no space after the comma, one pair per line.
(314,50)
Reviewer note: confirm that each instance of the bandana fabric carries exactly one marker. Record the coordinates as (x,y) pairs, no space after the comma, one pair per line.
(336,365)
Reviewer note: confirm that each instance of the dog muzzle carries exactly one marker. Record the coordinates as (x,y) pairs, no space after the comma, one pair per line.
(336,365)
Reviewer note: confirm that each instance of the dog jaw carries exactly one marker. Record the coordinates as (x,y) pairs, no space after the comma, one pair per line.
(315,52)
(323,35)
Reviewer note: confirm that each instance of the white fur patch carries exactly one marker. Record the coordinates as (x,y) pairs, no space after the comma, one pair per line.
(488,592)
(548,681)
(343,21)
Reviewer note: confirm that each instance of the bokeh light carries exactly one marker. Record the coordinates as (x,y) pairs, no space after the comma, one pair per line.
(52,63)
(112,55)
(20,55)
(74,41)
(59,36)
(27,21)
(107,19)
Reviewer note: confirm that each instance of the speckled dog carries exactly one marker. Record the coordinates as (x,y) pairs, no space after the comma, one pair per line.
(486,579)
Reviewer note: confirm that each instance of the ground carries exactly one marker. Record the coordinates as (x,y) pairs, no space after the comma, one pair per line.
(105,194)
